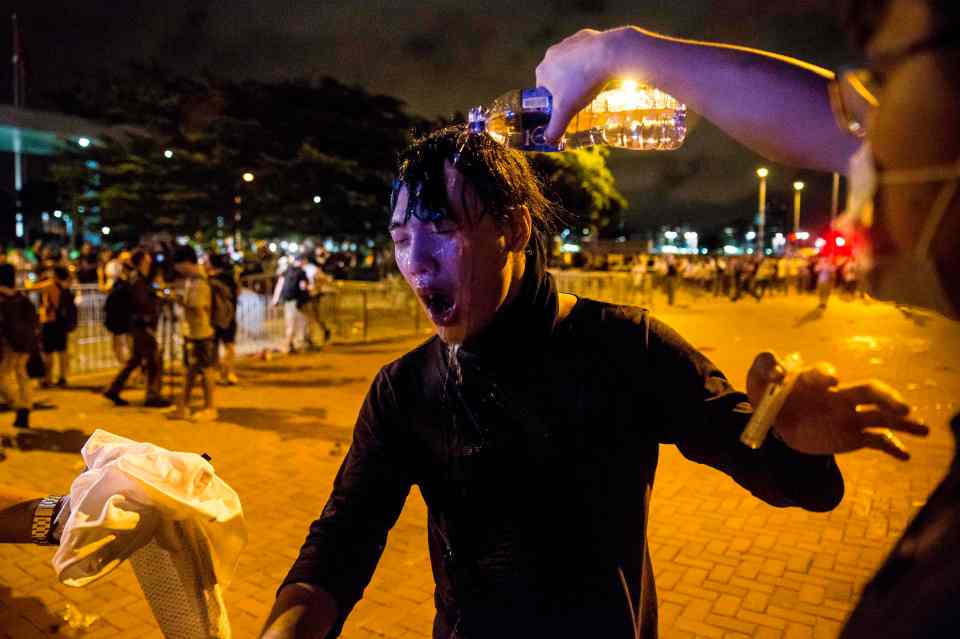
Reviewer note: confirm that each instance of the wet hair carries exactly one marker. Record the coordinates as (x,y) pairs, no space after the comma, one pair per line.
(184,253)
(500,177)
(8,275)
(862,18)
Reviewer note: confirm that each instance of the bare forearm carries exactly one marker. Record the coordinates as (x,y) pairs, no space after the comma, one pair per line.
(16,514)
(775,105)
(301,612)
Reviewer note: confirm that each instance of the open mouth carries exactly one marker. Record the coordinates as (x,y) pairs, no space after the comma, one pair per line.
(440,306)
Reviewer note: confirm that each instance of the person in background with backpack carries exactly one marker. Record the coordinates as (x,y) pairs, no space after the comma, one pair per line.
(58,314)
(18,336)
(143,317)
(224,294)
(292,290)
(116,308)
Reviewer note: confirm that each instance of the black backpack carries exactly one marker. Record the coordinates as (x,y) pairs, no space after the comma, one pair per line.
(19,319)
(223,309)
(118,308)
(67,314)
(291,290)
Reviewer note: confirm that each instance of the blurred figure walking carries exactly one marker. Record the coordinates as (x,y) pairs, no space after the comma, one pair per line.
(144,319)
(19,338)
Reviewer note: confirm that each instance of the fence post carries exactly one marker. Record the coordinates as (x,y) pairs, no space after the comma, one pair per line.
(366,317)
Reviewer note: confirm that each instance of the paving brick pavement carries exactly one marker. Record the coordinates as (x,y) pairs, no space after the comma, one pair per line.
(726,564)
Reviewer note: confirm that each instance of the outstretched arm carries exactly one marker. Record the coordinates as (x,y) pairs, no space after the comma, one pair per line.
(16,514)
(775,105)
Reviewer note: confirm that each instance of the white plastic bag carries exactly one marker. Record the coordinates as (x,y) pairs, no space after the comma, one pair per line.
(180,524)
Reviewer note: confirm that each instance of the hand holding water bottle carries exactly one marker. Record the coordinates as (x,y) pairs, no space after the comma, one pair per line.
(820,417)
(575,70)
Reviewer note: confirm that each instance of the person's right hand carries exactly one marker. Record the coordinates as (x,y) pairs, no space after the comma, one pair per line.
(575,70)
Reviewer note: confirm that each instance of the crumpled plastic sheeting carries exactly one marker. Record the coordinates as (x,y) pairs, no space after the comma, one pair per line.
(180,524)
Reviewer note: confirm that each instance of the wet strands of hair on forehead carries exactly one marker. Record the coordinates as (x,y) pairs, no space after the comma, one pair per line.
(426,208)
(496,180)
(427,198)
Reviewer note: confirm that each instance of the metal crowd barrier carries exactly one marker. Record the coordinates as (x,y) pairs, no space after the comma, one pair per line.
(352,311)
(614,287)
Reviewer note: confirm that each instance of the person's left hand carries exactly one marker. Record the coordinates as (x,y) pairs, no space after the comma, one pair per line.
(821,418)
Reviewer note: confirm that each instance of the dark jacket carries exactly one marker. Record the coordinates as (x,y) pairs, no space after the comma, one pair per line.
(535,454)
(144,305)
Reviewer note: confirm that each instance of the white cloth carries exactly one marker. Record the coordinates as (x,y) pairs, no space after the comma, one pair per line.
(181,525)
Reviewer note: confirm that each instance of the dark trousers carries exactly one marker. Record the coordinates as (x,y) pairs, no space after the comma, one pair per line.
(146,353)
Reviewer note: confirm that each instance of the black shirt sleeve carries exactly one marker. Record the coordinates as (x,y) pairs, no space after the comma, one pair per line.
(344,544)
(704,415)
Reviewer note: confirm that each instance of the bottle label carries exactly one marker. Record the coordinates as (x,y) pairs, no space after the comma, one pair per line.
(536,103)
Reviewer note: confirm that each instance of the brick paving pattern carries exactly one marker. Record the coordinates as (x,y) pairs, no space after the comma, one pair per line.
(727,565)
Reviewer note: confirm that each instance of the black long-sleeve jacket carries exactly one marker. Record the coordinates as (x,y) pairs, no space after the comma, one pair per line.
(536,455)
(144,305)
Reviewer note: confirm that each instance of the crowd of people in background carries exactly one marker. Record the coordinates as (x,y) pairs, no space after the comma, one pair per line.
(41,288)
(739,276)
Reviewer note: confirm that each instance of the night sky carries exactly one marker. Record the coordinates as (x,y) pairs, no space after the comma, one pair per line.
(440,56)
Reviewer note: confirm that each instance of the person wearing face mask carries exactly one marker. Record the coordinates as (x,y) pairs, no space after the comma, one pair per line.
(531,423)
(894,130)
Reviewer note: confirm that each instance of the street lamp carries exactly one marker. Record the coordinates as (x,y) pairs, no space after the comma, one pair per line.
(248,177)
(797,189)
(317,199)
(762,173)
(83,142)
(168,154)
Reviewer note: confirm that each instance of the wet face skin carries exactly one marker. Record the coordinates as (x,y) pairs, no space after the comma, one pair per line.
(916,125)
(463,268)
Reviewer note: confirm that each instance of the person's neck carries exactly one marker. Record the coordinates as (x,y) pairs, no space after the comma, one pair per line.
(522,317)
(518,271)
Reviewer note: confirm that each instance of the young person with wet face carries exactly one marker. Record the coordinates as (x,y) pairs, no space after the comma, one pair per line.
(893,129)
(531,424)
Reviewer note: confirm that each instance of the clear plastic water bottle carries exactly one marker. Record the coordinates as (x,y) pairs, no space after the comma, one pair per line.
(626,115)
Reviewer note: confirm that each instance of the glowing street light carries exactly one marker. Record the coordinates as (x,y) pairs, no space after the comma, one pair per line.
(83,142)
(317,199)
(248,177)
(762,173)
(168,154)
(105,230)
(797,189)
